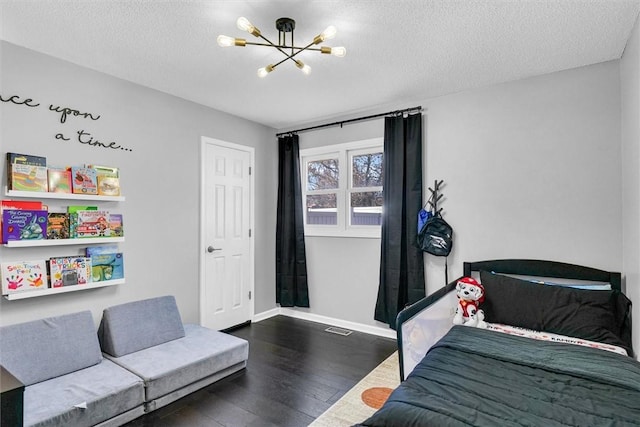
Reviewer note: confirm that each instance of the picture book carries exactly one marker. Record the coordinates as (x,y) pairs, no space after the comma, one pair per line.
(23,224)
(102,249)
(59,180)
(68,271)
(105,170)
(58,225)
(108,186)
(27,177)
(18,276)
(76,208)
(73,225)
(107,267)
(116,225)
(18,204)
(26,159)
(92,224)
(23,159)
(84,180)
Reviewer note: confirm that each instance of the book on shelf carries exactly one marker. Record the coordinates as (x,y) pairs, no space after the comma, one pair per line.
(92,224)
(107,266)
(84,180)
(76,208)
(20,276)
(24,224)
(58,225)
(19,204)
(116,225)
(27,177)
(69,271)
(59,180)
(22,159)
(108,186)
(101,249)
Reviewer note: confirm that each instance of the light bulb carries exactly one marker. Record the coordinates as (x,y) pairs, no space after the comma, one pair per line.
(304,67)
(244,24)
(329,33)
(339,51)
(262,72)
(226,41)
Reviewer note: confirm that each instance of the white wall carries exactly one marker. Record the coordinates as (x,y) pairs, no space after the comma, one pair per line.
(630,89)
(531,170)
(159,178)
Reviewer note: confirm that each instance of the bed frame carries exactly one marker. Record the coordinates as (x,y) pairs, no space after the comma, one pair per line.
(422,324)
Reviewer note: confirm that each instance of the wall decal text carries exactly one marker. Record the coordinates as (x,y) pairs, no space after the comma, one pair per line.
(83,136)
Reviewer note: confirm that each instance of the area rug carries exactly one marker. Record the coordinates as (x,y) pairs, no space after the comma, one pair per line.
(364,398)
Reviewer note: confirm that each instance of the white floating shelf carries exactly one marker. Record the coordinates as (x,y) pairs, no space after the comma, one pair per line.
(62,290)
(61,196)
(62,242)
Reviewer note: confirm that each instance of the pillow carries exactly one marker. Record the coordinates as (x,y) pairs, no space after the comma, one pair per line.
(592,315)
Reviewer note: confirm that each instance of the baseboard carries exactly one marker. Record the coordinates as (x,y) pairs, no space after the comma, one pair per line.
(360,327)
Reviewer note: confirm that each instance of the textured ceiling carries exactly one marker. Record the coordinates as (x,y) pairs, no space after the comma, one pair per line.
(397,51)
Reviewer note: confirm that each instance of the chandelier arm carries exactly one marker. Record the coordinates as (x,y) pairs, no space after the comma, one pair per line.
(277,47)
(317,49)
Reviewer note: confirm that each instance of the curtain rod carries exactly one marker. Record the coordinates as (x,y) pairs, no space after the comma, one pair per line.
(388,113)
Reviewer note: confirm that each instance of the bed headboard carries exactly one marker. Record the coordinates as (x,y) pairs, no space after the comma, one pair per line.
(540,268)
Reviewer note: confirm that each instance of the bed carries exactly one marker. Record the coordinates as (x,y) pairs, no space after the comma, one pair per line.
(557,352)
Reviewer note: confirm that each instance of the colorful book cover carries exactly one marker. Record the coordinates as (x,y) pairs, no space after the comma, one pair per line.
(116,225)
(107,267)
(84,180)
(19,276)
(18,204)
(76,208)
(23,224)
(58,225)
(105,170)
(26,159)
(68,271)
(108,186)
(92,224)
(28,177)
(59,180)
(102,249)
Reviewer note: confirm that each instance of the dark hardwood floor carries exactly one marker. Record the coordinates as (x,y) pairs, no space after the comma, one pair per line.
(295,372)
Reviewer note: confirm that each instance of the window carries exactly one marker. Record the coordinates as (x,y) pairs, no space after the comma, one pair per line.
(342,189)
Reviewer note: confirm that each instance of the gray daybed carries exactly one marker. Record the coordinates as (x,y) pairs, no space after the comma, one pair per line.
(68,382)
(149,339)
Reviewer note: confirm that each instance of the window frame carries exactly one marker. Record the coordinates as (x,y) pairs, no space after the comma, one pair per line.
(344,153)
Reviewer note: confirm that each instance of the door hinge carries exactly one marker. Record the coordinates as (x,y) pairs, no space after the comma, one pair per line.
(249,294)
(249,232)
(249,170)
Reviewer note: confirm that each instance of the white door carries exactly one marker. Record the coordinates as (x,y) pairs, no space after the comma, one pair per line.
(227,246)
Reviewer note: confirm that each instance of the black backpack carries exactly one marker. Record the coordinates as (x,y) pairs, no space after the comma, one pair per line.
(435,236)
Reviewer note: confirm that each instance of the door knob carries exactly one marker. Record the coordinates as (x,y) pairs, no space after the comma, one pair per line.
(212,249)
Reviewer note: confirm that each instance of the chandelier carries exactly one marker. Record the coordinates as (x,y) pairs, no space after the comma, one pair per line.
(285,26)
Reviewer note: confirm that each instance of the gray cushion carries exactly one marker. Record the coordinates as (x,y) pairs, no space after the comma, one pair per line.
(176,364)
(47,348)
(134,326)
(106,389)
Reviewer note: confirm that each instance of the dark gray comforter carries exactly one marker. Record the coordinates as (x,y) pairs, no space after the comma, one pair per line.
(476,377)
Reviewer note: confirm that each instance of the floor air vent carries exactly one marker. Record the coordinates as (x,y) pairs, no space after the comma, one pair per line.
(339,331)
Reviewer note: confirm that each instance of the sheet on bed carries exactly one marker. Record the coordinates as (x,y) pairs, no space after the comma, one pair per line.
(477,377)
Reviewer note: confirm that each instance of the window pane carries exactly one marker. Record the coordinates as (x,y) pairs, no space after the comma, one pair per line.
(322,209)
(322,174)
(366,208)
(367,170)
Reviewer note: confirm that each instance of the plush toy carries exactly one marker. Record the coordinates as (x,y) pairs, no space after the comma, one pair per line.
(470,295)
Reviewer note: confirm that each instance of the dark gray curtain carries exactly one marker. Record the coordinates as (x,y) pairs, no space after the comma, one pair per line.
(291,261)
(401,262)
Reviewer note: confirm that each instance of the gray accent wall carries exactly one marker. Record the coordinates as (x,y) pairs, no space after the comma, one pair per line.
(160,178)
(532,169)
